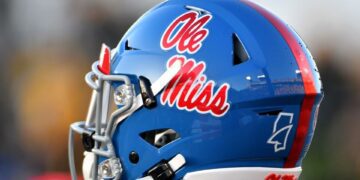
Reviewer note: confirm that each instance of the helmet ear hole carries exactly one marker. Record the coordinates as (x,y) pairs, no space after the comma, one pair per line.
(160,137)
(240,54)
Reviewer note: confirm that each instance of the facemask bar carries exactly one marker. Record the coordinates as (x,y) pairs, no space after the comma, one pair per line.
(97,115)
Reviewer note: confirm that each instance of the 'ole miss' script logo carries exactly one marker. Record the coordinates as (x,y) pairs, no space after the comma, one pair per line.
(190,35)
(189,89)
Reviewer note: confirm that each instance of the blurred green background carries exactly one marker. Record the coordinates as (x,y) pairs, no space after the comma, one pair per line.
(47,46)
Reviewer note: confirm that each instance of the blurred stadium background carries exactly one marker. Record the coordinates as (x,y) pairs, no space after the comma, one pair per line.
(46,47)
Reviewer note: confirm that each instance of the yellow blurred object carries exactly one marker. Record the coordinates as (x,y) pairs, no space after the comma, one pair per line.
(49,93)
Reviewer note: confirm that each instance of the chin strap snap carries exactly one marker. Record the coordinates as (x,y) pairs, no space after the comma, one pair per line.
(165,170)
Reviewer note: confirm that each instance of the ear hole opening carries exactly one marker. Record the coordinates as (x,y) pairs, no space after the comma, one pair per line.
(160,137)
(240,55)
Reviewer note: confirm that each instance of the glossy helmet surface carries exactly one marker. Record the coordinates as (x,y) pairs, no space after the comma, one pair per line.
(246,93)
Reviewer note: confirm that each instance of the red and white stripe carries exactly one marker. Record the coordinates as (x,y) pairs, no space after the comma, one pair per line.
(308,80)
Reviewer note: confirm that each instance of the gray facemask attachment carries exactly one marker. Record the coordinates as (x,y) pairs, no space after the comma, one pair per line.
(98,128)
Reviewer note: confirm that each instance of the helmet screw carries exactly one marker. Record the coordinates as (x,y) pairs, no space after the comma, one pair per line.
(134,157)
(148,102)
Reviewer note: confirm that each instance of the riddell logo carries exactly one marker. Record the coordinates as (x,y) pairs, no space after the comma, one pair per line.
(186,33)
(190,91)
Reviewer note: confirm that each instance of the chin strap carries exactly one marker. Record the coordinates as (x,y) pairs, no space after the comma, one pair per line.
(165,170)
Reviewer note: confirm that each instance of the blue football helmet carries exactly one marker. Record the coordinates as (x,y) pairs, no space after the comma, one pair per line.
(216,89)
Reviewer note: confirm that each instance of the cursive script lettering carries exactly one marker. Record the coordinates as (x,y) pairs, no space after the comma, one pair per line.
(189,35)
(190,90)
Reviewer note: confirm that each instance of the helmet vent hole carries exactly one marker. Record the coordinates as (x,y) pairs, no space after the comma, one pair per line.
(240,54)
(160,137)
(198,10)
(128,47)
(270,113)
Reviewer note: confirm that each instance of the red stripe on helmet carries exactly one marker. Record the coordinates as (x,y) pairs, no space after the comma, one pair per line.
(301,131)
(308,80)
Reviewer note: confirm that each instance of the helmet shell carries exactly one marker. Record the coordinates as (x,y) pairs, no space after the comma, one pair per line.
(260,88)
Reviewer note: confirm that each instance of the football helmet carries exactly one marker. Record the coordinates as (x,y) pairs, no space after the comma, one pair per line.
(216,89)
